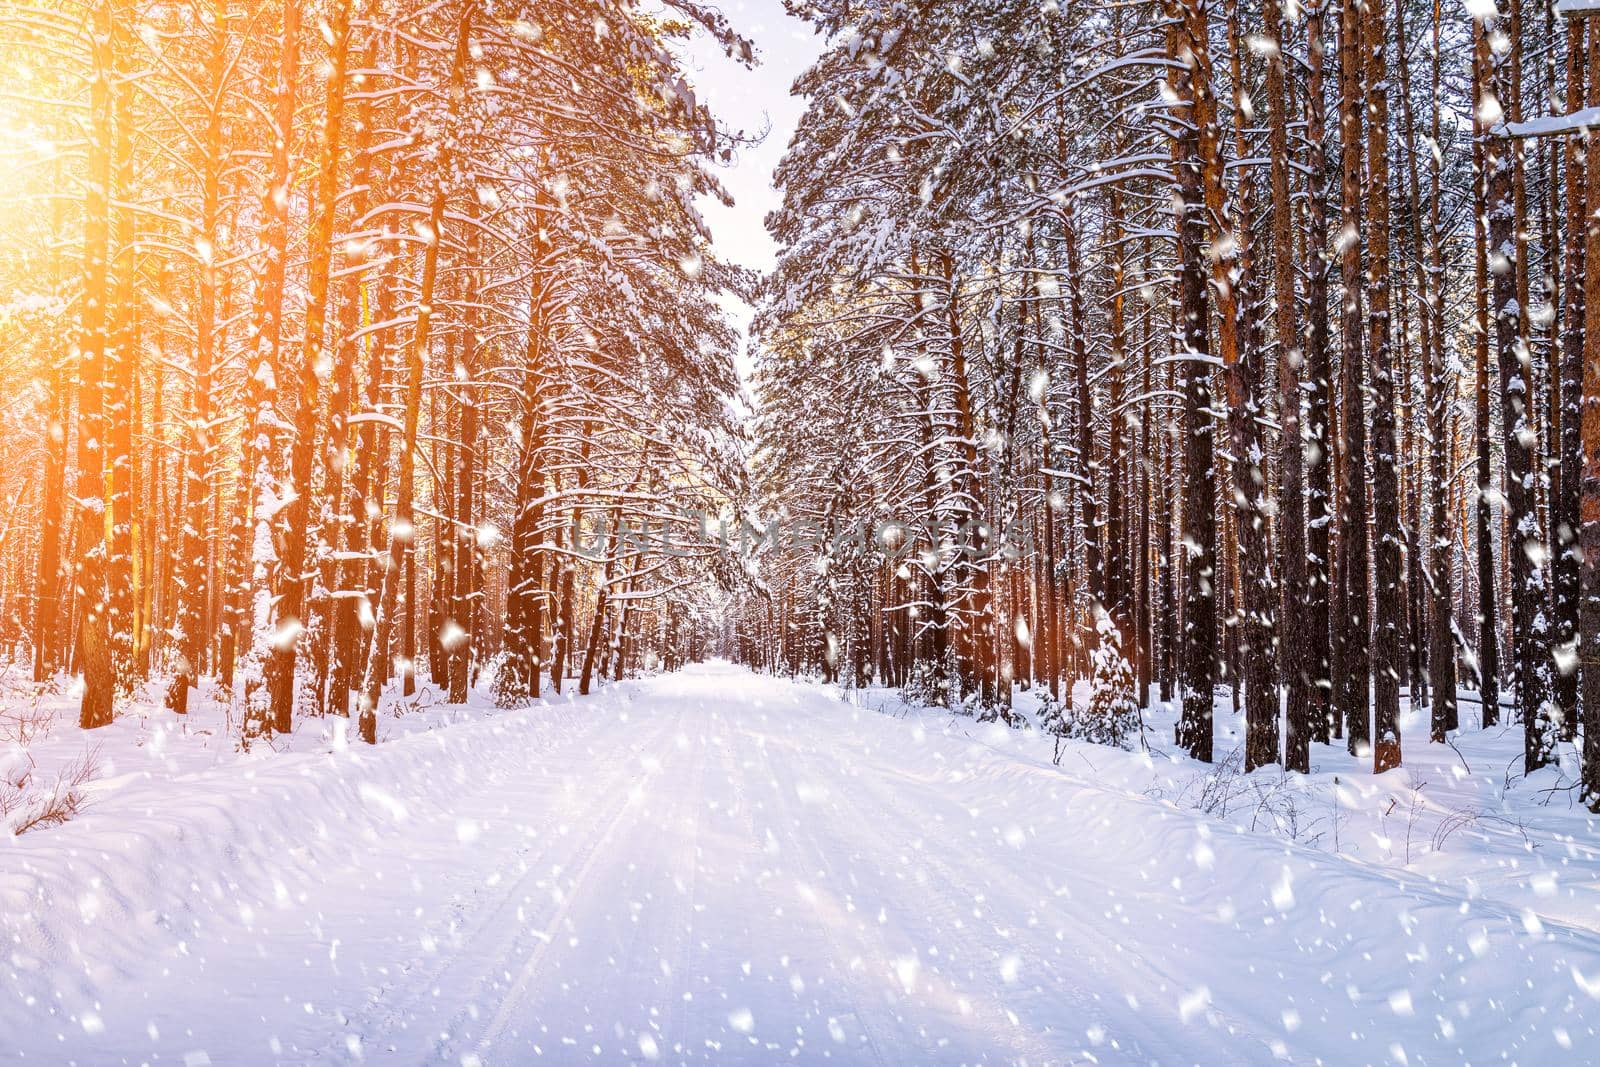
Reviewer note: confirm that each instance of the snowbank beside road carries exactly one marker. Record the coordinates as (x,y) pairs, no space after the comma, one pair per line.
(161,851)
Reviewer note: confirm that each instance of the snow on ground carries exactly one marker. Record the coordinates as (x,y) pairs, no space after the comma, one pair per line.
(1460,812)
(712,866)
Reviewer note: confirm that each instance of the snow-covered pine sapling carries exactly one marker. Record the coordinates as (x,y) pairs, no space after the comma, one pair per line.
(1113,714)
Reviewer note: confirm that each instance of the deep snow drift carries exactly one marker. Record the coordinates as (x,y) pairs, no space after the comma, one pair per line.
(715,866)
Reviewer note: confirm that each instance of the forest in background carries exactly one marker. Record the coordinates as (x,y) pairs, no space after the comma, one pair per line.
(1227,342)
(328,326)
(1207,349)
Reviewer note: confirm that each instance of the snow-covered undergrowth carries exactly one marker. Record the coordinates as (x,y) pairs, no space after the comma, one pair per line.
(1461,812)
(177,824)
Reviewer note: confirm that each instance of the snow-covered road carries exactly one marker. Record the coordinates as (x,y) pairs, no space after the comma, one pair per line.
(712,866)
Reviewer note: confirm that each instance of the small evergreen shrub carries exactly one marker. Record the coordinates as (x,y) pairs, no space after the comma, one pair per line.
(1112,714)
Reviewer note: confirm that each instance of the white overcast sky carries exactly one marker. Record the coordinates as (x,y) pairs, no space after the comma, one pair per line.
(749,100)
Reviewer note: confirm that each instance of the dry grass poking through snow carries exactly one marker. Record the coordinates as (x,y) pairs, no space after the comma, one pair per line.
(31,796)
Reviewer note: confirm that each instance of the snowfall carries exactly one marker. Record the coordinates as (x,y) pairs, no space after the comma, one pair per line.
(716,866)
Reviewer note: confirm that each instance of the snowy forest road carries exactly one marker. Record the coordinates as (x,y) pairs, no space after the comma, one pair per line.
(713,866)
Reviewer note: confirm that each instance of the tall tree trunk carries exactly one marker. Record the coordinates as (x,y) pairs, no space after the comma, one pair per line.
(121,366)
(1483,536)
(973,545)
(1353,628)
(1530,640)
(1565,517)
(1047,639)
(1242,361)
(1083,413)
(94,640)
(1319,395)
(1295,625)
(47,619)
(1199,500)
(1590,570)
(518,677)
(567,624)
(345,492)
(1114,472)
(191,569)
(1440,385)
(265,465)
(314,365)
(1389,602)
(463,577)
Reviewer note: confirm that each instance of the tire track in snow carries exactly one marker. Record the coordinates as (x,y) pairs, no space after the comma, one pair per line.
(924,912)
(798,835)
(498,923)
(514,1001)
(801,851)
(1009,898)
